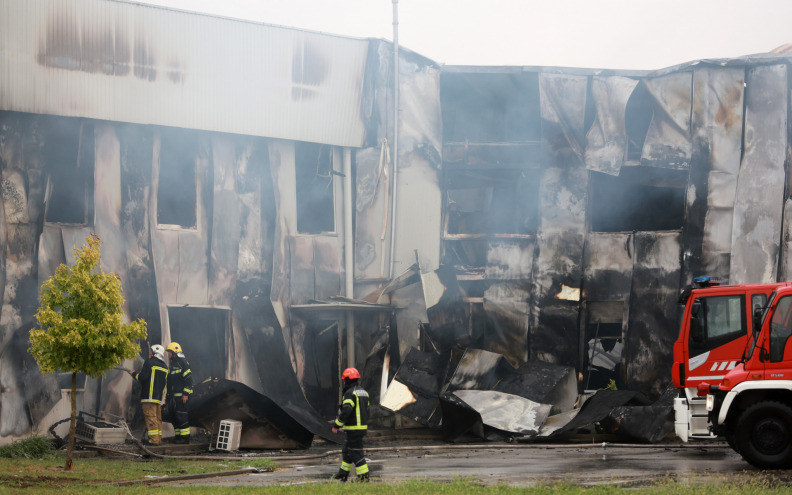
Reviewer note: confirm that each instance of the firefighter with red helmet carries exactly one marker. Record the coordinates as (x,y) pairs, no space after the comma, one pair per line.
(353,419)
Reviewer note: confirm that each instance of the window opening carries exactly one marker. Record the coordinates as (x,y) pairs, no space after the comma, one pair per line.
(203,334)
(176,194)
(69,153)
(314,183)
(638,199)
(481,202)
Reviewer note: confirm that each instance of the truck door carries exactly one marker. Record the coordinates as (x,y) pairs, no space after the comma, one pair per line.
(718,333)
(776,353)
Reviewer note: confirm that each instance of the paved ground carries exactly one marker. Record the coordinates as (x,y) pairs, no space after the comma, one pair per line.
(515,464)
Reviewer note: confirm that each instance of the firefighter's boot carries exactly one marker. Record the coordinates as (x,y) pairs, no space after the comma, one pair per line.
(362,472)
(341,476)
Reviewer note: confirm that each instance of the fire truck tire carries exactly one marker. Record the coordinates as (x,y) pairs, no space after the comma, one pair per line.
(764,435)
(731,439)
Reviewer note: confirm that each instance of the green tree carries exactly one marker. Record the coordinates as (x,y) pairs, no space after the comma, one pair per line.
(81,326)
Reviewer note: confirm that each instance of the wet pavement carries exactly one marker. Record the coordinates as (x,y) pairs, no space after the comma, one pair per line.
(516,464)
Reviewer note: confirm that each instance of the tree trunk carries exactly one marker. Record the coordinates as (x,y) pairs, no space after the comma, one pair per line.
(73,422)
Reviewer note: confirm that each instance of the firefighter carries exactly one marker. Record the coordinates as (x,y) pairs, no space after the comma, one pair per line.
(180,383)
(152,377)
(353,419)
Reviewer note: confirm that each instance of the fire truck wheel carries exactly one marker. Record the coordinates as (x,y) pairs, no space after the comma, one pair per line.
(731,439)
(764,435)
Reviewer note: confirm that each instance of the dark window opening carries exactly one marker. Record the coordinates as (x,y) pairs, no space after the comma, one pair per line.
(466,254)
(314,182)
(637,117)
(493,201)
(604,344)
(69,154)
(321,366)
(176,195)
(203,334)
(486,108)
(638,199)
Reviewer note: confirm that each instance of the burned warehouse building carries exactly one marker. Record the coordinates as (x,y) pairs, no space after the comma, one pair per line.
(287,203)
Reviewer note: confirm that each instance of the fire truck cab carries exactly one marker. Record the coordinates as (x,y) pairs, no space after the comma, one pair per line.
(716,323)
(752,405)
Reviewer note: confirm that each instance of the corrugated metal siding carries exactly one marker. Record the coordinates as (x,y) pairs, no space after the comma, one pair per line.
(126,62)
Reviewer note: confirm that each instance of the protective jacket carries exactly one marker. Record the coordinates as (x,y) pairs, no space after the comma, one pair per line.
(152,377)
(180,380)
(354,411)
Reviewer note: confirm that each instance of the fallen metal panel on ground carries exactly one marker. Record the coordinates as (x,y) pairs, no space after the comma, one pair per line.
(265,424)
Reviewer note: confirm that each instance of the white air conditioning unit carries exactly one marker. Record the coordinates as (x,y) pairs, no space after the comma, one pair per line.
(229,434)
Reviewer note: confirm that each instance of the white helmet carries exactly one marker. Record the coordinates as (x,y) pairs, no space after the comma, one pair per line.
(158,350)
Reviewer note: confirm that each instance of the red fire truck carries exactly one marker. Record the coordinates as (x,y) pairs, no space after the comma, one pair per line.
(714,331)
(752,405)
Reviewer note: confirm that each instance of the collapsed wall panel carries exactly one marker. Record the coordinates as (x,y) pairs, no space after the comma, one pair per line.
(558,262)
(490,415)
(415,388)
(652,325)
(760,186)
(717,122)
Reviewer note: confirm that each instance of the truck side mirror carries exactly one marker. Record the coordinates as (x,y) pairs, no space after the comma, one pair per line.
(695,308)
(763,355)
(696,331)
(757,318)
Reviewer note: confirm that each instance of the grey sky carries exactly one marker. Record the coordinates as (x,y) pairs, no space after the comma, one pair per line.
(620,34)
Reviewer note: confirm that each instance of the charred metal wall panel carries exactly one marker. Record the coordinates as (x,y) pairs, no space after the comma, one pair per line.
(717,136)
(759,200)
(85,58)
(652,324)
(226,222)
(508,309)
(373,171)
(563,191)
(608,266)
(668,142)
(418,192)
(606,140)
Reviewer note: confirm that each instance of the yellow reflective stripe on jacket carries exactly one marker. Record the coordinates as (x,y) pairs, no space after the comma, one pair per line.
(356,405)
(154,370)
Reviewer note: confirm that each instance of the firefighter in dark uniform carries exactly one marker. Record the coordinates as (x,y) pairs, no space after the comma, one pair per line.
(353,419)
(152,377)
(180,383)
